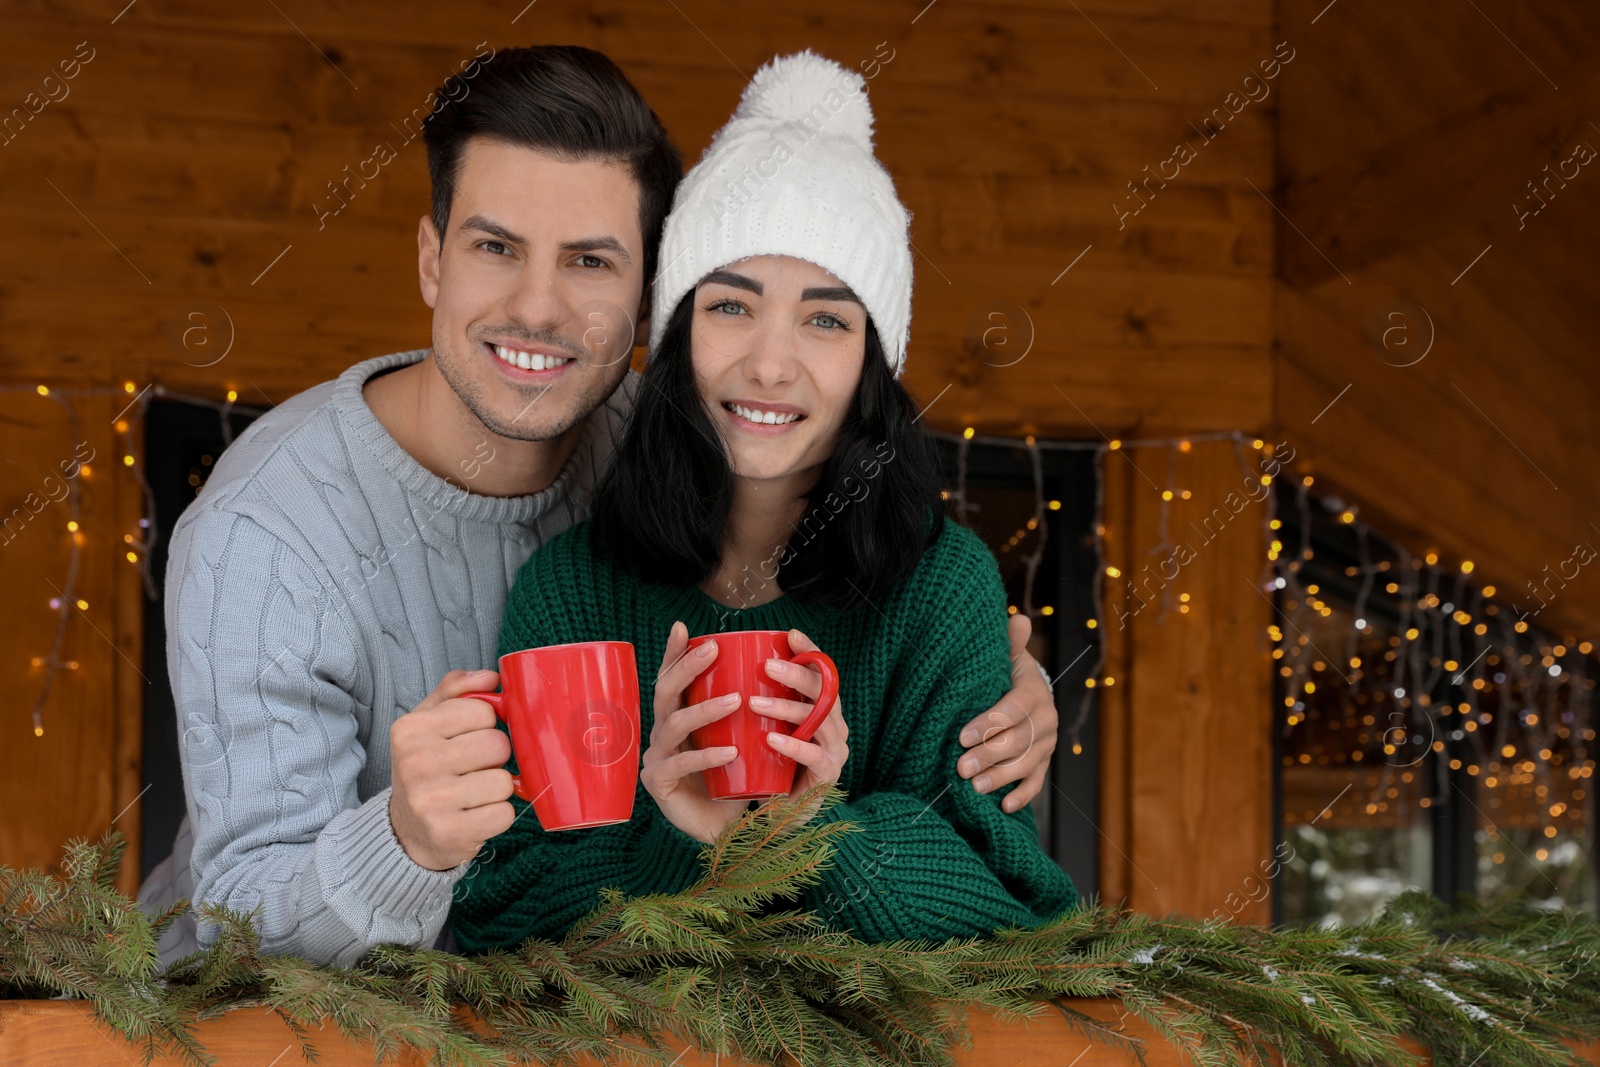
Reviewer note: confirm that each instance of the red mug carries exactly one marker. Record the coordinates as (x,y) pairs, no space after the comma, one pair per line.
(573,713)
(758,771)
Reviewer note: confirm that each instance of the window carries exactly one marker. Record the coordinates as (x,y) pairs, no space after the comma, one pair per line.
(1428,737)
(1035,509)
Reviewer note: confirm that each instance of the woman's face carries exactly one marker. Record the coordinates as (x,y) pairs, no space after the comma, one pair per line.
(777,345)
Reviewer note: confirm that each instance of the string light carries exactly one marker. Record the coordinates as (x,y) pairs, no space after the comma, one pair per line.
(1105,569)
(1522,716)
(64,604)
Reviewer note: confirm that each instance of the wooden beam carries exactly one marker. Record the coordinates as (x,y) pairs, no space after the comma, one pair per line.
(1188,768)
(50,1033)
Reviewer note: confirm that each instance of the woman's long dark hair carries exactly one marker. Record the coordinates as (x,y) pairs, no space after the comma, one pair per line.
(662,508)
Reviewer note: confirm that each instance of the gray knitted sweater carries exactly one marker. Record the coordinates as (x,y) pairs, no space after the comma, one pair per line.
(318,588)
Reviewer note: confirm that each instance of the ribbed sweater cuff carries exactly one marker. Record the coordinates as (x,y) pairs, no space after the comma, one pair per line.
(373,885)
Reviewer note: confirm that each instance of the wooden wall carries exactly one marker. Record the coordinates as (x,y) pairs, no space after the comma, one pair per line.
(181,170)
(198,139)
(80,770)
(1483,447)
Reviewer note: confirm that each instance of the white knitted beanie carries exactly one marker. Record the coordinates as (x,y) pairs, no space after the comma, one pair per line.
(792,173)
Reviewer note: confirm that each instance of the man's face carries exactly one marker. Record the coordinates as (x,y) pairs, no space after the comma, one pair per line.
(536,287)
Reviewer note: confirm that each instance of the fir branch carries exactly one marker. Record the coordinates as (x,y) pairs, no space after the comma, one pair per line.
(1492,987)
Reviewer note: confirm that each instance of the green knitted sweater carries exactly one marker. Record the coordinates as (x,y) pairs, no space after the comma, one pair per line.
(933,858)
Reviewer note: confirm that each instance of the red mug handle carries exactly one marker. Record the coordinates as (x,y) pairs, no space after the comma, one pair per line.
(494,701)
(825,699)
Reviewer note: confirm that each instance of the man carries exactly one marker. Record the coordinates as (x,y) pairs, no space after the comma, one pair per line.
(353,549)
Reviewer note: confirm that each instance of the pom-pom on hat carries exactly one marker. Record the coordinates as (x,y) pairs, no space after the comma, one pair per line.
(793,174)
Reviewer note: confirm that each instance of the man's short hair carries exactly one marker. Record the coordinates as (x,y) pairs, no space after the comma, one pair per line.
(572,102)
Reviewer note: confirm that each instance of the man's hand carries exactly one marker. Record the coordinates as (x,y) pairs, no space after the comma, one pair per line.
(451,790)
(1016,738)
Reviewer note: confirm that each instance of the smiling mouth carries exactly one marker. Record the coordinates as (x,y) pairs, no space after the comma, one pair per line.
(528,360)
(763,418)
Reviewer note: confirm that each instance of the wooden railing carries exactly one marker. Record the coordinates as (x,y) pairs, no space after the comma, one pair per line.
(50,1033)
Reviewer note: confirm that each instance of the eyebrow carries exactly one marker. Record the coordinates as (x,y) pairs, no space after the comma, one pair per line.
(737,281)
(742,281)
(598,244)
(489,226)
(840,292)
(604,243)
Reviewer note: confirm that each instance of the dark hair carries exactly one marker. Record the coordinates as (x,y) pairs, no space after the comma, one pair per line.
(571,102)
(661,510)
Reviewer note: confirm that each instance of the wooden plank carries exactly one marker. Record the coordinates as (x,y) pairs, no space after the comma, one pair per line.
(970,44)
(64,1034)
(374,260)
(947,148)
(1433,472)
(1468,169)
(1444,121)
(70,778)
(1185,807)
(411,21)
(279,348)
(1536,399)
(1396,69)
(1200,711)
(1102,389)
(208,257)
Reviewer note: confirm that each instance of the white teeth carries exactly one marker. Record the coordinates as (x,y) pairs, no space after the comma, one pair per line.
(530,361)
(769,418)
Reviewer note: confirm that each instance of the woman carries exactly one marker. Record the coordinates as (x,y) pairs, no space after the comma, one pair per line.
(774,477)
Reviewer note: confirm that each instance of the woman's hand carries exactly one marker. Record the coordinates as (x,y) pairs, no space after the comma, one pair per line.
(672,765)
(822,758)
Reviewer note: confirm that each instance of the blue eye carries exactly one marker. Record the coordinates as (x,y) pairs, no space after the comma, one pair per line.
(830,321)
(727,307)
